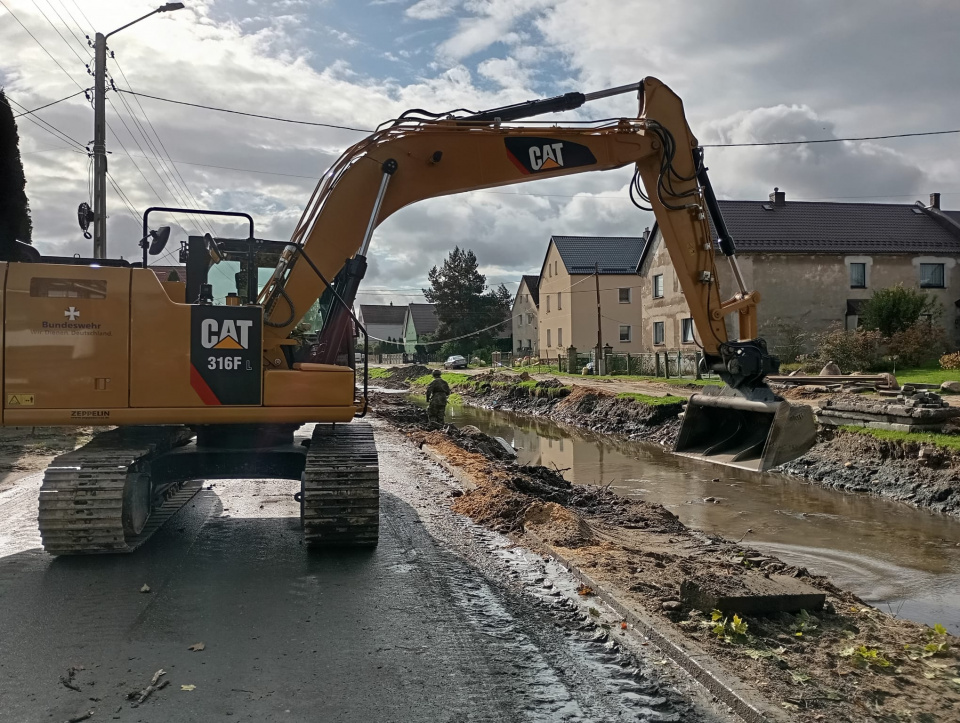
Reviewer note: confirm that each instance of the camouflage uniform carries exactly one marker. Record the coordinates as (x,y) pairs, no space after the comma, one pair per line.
(437,393)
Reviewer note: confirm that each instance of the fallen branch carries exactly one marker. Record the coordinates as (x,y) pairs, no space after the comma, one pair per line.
(142,695)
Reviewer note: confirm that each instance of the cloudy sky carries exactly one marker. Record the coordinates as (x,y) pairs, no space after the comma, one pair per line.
(747,71)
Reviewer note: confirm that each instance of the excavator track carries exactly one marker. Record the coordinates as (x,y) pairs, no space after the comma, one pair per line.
(99,498)
(340,489)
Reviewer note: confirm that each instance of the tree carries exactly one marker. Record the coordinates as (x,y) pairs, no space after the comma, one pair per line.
(896,309)
(15,223)
(464,305)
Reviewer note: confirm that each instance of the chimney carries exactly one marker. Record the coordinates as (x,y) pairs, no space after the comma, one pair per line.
(778,197)
(935,201)
(646,233)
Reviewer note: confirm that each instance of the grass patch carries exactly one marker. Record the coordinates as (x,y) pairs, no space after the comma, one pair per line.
(378,373)
(931,375)
(950,441)
(450,378)
(652,401)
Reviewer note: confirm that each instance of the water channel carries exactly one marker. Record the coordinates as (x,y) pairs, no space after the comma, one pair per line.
(903,560)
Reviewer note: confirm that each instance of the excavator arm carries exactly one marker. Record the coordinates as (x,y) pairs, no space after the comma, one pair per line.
(417,157)
(415,160)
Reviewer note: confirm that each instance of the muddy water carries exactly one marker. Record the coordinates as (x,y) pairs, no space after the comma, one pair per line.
(903,560)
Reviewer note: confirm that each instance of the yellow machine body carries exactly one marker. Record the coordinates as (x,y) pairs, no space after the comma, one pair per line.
(87,345)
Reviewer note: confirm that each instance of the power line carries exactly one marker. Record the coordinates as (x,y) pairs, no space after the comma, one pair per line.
(251,115)
(43,125)
(57,31)
(42,47)
(68,97)
(831,140)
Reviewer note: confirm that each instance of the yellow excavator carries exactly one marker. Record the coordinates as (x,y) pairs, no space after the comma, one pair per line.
(198,390)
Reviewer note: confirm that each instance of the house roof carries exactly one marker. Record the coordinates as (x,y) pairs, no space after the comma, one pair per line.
(382,313)
(608,254)
(533,286)
(423,317)
(835,228)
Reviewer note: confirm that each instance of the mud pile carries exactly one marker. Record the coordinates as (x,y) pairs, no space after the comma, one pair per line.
(921,475)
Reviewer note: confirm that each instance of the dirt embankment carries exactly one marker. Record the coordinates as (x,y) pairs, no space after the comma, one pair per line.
(24,450)
(921,475)
(846,662)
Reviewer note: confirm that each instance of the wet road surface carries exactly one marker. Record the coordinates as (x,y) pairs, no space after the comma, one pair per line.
(443,621)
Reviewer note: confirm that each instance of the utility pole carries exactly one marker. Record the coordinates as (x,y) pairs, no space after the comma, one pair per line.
(100,132)
(599,355)
(100,147)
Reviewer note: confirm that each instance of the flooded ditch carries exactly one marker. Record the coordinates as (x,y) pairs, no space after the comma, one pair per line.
(903,560)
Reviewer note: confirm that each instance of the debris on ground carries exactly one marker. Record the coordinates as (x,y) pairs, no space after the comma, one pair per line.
(817,663)
(81,717)
(139,696)
(145,588)
(68,680)
(196,647)
(188,687)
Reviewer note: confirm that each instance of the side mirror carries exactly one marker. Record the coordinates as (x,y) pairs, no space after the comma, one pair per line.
(160,238)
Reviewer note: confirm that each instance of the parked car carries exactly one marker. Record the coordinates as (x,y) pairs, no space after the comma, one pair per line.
(455,362)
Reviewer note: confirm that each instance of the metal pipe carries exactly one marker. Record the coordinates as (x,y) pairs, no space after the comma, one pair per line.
(619,90)
(196,211)
(389,167)
(735,267)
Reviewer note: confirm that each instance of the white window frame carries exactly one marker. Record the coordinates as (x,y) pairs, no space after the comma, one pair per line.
(863,266)
(686,324)
(629,295)
(655,280)
(661,327)
(629,329)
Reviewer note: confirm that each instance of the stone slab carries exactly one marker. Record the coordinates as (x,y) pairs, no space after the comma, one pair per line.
(760,596)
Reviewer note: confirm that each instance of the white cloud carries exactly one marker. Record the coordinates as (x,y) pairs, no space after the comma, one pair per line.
(432,9)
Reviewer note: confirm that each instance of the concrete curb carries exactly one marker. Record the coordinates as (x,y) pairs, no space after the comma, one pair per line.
(698,663)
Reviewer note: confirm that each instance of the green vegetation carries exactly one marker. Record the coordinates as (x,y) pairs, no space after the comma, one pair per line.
(378,373)
(727,630)
(652,401)
(927,375)
(949,441)
(862,656)
(450,378)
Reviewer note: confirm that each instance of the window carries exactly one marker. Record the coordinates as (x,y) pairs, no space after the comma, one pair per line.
(529,345)
(931,276)
(686,331)
(554,268)
(858,276)
(530,318)
(548,339)
(624,295)
(625,332)
(560,338)
(559,301)
(658,286)
(658,332)
(68,288)
(548,304)
(519,319)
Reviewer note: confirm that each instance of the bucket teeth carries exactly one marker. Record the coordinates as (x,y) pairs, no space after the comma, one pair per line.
(341,487)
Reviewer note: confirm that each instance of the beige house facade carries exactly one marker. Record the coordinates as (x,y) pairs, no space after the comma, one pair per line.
(572,269)
(813,265)
(526,321)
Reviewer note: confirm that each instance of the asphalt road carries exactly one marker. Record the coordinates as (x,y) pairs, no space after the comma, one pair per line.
(443,621)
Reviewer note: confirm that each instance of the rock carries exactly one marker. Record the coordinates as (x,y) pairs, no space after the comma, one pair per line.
(890,381)
(525,377)
(830,369)
(950,387)
(671,605)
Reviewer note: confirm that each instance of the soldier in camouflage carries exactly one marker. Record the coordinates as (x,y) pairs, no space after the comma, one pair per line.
(437,393)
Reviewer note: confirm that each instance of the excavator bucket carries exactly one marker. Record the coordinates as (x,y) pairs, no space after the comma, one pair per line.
(754,435)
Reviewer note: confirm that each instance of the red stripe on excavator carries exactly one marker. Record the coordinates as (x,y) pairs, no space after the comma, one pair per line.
(516,161)
(202,389)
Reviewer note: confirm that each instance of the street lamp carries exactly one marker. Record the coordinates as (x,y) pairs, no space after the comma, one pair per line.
(100,135)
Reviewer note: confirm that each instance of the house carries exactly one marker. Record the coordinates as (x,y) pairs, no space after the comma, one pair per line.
(419,320)
(525,315)
(382,321)
(573,270)
(813,264)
